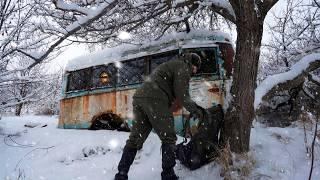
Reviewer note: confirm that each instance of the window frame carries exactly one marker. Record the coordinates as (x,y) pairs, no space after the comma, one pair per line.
(215,50)
(144,71)
(147,70)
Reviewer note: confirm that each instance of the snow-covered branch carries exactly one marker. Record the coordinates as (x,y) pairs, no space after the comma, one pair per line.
(43,25)
(61,5)
(294,32)
(314,79)
(288,79)
(74,27)
(223,8)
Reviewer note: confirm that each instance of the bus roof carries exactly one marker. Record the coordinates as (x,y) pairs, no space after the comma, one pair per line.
(183,40)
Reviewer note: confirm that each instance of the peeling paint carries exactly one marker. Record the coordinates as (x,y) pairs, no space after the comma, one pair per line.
(79,112)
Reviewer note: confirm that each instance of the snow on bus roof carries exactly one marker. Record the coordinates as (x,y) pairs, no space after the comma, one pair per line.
(195,38)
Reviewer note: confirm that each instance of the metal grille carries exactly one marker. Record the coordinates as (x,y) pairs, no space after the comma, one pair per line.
(98,70)
(79,80)
(159,59)
(131,72)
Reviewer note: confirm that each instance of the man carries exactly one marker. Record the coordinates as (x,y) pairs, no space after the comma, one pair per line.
(151,108)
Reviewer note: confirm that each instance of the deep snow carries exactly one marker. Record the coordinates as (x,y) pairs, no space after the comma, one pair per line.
(52,153)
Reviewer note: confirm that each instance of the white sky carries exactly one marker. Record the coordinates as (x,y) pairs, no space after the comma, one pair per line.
(75,51)
(70,53)
(277,9)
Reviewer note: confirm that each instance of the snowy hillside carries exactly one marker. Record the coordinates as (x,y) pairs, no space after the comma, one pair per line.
(45,152)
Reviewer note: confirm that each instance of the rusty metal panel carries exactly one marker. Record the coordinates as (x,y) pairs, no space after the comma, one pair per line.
(71,111)
(81,110)
(102,103)
(124,103)
(62,113)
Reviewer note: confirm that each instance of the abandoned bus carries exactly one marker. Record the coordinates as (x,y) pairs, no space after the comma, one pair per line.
(98,88)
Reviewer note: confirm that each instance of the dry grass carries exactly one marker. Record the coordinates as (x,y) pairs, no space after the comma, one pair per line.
(306,121)
(235,166)
(246,164)
(225,161)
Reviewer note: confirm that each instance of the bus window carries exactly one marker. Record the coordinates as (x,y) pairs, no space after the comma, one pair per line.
(158,59)
(209,65)
(79,80)
(131,72)
(104,76)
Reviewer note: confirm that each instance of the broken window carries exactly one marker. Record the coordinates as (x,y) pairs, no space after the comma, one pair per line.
(131,72)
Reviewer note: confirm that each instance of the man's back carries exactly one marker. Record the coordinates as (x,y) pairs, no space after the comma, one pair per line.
(160,84)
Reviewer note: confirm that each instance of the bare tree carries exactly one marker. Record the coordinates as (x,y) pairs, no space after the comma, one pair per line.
(249,18)
(15,30)
(99,21)
(295,34)
(27,86)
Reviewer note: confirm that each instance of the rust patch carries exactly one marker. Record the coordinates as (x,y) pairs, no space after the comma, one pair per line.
(125,99)
(85,103)
(83,108)
(214,89)
(124,103)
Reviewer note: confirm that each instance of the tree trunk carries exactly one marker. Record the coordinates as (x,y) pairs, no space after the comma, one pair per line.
(239,115)
(18,109)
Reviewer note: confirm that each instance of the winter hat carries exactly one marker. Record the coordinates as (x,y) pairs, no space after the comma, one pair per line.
(195,60)
(192,59)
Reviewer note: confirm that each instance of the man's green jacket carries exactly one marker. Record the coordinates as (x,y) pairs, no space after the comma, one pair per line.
(170,82)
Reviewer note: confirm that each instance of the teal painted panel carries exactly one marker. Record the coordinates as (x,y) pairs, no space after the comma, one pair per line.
(81,125)
(99,90)
(129,122)
(64,85)
(178,124)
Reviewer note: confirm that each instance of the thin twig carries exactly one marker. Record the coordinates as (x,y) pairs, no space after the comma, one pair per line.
(312,147)
(47,148)
(21,174)
(5,139)
(305,136)
(318,4)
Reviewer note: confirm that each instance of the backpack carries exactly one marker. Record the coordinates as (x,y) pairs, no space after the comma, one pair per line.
(203,146)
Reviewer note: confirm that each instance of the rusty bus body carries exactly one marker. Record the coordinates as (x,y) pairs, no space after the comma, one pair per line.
(103,92)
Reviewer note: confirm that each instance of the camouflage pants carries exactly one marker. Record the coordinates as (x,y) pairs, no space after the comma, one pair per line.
(151,114)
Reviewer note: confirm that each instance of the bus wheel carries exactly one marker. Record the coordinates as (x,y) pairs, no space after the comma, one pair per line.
(108,121)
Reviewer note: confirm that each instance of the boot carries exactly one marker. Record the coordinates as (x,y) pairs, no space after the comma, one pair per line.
(125,163)
(168,162)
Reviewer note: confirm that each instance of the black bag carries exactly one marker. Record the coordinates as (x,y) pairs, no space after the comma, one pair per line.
(203,146)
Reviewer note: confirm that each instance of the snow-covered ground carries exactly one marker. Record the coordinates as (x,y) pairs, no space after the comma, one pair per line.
(46,152)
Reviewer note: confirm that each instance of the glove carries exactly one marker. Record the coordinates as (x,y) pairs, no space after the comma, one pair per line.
(198,113)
